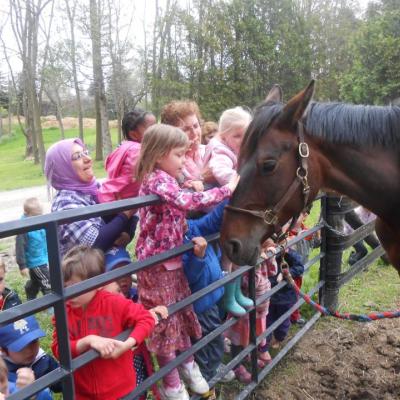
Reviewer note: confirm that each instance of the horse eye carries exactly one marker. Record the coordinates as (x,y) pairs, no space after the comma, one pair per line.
(268,166)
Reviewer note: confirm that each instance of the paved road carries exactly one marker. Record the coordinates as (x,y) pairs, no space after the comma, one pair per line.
(11,201)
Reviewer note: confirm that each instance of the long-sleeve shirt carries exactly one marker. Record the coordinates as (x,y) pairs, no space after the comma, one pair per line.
(162,226)
(107,315)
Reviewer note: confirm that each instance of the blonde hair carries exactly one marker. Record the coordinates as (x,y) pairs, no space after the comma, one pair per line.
(32,207)
(233,117)
(2,264)
(158,140)
(82,261)
(173,112)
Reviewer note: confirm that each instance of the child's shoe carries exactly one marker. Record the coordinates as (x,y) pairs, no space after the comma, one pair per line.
(193,378)
(230,303)
(169,393)
(244,301)
(242,375)
(263,359)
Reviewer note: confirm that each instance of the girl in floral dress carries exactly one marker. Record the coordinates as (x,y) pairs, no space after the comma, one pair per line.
(162,228)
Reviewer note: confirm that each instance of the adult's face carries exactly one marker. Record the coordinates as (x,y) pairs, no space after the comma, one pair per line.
(82,163)
(191,126)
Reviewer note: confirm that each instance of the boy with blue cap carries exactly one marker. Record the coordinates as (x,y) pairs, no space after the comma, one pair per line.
(20,349)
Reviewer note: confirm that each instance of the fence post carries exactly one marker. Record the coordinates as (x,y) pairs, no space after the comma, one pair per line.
(333,209)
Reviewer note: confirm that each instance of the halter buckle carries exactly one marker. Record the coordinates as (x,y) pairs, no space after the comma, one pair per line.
(270,218)
(304,150)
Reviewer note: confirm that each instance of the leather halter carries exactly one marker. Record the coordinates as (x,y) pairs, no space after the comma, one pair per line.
(270,215)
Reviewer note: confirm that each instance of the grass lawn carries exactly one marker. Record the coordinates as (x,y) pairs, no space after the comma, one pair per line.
(16,172)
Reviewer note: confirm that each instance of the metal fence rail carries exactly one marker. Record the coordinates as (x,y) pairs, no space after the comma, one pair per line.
(331,278)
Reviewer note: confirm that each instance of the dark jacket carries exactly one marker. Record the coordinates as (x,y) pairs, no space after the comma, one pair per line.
(42,365)
(10,299)
(201,272)
(287,295)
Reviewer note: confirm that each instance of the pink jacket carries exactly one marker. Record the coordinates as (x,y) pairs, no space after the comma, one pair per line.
(121,166)
(221,161)
(162,226)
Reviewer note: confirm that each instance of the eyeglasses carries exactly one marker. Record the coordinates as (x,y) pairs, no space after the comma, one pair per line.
(79,154)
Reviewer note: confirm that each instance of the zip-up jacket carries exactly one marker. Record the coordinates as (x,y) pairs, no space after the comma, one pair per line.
(10,299)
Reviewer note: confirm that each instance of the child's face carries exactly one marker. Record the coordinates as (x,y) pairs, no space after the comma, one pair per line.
(172,163)
(26,356)
(209,136)
(2,281)
(234,138)
(191,126)
(84,299)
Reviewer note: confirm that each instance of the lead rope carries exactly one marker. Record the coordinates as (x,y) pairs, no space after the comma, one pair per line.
(324,311)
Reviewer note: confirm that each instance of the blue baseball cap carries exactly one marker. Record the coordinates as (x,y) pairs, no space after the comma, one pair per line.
(20,333)
(115,256)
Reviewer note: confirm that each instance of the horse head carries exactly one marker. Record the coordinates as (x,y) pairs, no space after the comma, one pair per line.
(273,176)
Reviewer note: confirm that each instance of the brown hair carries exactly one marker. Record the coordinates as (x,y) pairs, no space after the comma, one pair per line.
(3,371)
(2,264)
(32,207)
(173,112)
(83,262)
(158,140)
(208,128)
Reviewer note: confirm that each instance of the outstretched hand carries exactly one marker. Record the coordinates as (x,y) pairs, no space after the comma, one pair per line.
(233,182)
(200,245)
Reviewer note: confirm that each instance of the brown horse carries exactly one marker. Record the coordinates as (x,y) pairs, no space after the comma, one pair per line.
(292,151)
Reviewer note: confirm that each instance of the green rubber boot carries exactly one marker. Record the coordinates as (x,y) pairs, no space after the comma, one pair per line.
(230,303)
(244,301)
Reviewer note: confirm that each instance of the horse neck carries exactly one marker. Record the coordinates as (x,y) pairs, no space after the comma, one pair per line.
(365,175)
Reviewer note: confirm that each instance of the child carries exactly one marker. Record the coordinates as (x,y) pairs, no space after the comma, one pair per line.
(23,356)
(239,334)
(117,257)
(31,254)
(121,163)
(220,158)
(283,299)
(8,298)
(161,228)
(94,318)
(220,164)
(202,268)
(208,131)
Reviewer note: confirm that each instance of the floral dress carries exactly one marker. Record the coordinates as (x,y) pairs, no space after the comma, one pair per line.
(162,228)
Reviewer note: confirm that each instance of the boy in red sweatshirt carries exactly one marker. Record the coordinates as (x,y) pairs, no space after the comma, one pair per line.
(94,318)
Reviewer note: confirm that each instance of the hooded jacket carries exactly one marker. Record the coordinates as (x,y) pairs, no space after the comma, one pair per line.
(10,299)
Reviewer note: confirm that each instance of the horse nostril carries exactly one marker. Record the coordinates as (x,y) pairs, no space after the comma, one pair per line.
(234,246)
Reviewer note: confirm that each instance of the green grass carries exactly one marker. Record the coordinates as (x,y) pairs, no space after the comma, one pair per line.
(16,172)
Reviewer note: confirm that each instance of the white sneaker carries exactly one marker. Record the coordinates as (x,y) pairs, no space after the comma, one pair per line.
(193,378)
(230,375)
(168,393)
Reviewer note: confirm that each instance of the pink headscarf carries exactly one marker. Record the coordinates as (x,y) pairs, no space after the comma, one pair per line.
(59,170)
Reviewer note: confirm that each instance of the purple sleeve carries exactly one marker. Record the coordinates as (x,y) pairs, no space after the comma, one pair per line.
(108,233)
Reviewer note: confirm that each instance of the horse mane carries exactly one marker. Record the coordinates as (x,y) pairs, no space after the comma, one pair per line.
(354,124)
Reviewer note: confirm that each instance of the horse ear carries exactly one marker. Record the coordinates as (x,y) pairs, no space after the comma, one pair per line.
(296,106)
(275,94)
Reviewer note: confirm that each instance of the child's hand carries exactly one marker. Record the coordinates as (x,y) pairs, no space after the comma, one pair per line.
(24,272)
(161,311)
(105,346)
(121,347)
(200,245)
(279,277)
(231,185)
(122,240)
(25,376)
(197,186)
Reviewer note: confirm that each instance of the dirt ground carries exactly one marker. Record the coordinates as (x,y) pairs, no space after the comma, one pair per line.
(342,361)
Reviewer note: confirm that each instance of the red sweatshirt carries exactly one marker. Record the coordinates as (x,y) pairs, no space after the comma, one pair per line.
(107,315)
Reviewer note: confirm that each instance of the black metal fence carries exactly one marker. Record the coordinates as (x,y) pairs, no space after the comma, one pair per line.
(331,278)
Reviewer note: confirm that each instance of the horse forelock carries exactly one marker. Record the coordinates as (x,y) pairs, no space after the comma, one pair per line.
(354,124)
(264,115)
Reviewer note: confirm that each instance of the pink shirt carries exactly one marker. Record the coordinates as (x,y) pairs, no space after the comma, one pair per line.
(221,161)
(162,226)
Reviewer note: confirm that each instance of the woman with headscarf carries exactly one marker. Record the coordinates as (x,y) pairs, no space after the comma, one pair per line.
(69,170)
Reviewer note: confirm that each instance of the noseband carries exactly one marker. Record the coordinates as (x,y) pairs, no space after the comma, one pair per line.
(270,215)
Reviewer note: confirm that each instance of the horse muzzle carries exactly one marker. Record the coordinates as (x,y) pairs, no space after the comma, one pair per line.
(240,253)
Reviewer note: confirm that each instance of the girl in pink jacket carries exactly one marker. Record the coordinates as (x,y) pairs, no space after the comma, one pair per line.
(121,163)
